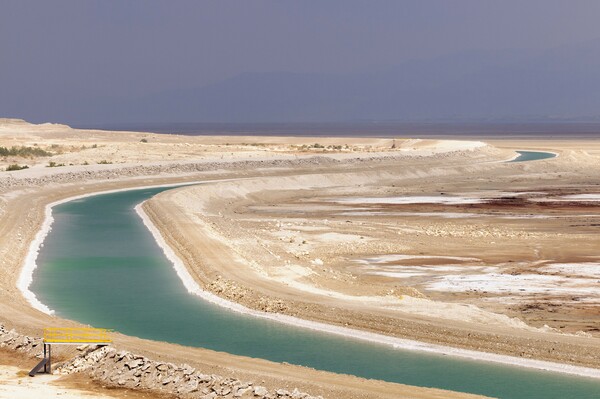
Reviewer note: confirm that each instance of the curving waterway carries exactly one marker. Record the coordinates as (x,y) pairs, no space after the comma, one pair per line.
(101,266)
(532,156)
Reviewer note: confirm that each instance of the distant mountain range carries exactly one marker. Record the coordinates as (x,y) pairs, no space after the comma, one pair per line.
(560,83)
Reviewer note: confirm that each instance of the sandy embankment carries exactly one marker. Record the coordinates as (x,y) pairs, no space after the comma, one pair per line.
(445,312)
(216,229)
(25,195)
(18,314)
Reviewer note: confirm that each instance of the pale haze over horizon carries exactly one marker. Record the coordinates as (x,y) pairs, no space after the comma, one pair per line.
(94,62)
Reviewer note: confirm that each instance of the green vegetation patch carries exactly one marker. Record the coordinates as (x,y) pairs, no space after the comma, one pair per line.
(15,166)
(23,151)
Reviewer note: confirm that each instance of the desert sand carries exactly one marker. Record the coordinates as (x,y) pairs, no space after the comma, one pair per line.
(16,384)
(433,249)
(425,240)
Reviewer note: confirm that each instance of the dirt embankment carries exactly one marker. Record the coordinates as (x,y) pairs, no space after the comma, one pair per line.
(251,242)
(24,198)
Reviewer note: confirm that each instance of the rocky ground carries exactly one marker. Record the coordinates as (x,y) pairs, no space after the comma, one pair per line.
(124,369)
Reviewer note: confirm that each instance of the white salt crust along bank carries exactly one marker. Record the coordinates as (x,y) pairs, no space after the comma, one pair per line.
(26,276)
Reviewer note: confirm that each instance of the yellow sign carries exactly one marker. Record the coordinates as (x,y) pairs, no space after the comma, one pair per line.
(84,335)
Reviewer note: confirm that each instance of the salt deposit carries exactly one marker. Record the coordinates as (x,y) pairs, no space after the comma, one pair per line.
(584,269)
(415,271)
(445,215)
(583,197)
(446,200)
(399,257)
(521,284)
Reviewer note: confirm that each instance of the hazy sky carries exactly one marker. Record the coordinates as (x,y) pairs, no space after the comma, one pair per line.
(78,48)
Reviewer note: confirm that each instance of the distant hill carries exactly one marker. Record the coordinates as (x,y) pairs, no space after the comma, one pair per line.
(16,123)
(562,82)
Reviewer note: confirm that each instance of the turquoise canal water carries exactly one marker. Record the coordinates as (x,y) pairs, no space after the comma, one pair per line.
(532,156)
(100,265)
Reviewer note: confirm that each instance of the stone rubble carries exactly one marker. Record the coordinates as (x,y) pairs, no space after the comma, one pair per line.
(127,370)
(22,343)
(117,171)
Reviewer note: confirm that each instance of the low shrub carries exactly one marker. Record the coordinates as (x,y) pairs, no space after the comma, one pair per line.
(23,151)
(16,167)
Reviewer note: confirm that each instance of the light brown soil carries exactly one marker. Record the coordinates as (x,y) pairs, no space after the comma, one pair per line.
(283,244)
(24,195)
(16,383)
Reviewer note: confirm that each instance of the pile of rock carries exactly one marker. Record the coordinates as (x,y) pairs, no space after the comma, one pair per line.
(117,171)
(22,343)
(227,289)
(127,370)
